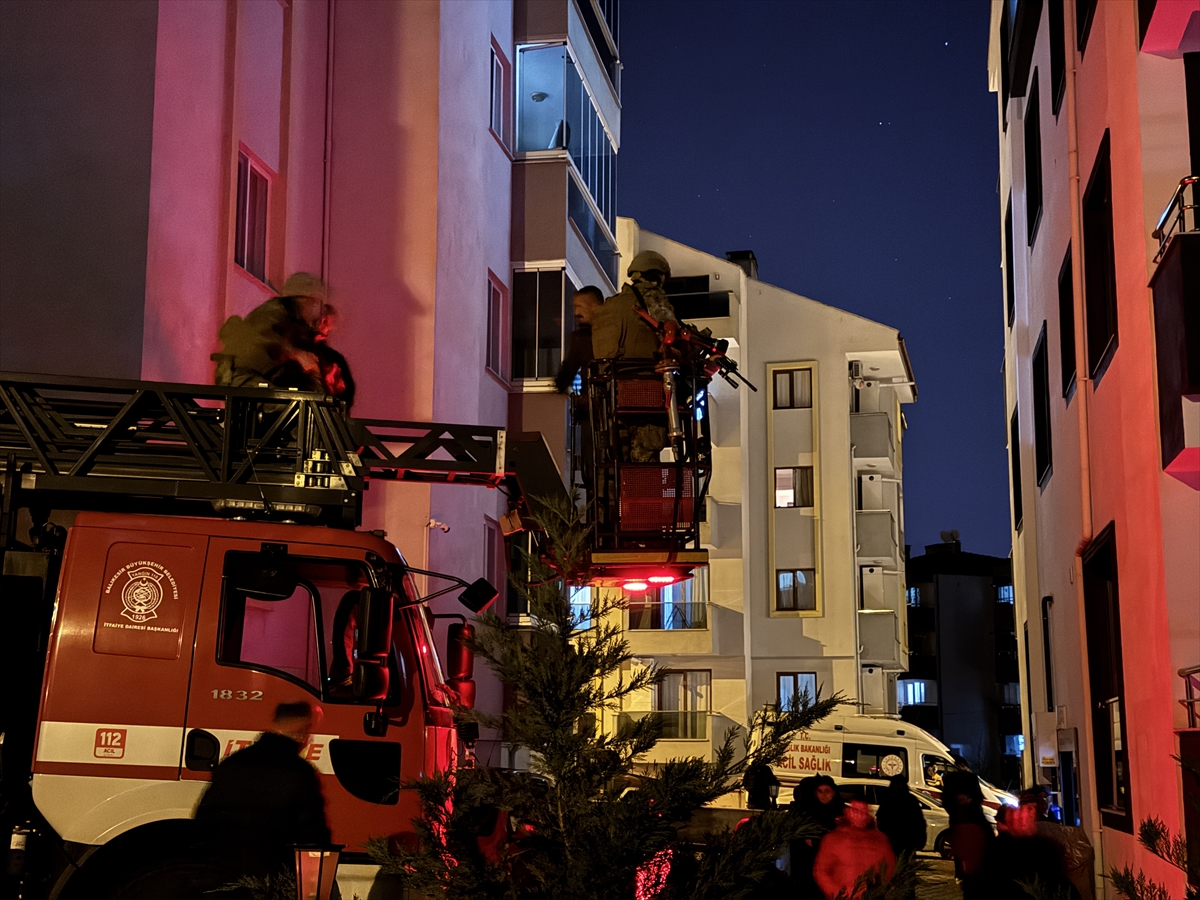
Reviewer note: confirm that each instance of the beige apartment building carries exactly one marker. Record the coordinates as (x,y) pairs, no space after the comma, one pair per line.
(804,590)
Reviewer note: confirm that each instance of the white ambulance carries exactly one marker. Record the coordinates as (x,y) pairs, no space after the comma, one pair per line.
(858,746)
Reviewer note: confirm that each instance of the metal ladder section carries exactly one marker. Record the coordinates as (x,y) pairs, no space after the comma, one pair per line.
(185,449)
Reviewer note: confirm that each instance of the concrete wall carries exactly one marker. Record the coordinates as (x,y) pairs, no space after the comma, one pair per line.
(75,161)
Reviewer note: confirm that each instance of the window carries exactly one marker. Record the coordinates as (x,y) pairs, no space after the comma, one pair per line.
(1099,265)
(1047,651)
(1014,744)
(913,596)
(583,216)
(793,389)
(873,761)
(1004,593)
(539,312)
(1042,451)
(1085,11)
(501,92)
(555,112)
(916,692)
(673,607)
(308,636)
(1102,614)
(934,768)
(581,606)
(682,699)
(1033,161)
(795,689)
(795,590)
(494,569)
(497,326)
(1066,325)
(1014,453)
(1010,287)
(250,237)
(794,487)
(1058,55)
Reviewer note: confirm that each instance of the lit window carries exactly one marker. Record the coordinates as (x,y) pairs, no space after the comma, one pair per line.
(683,699)
(796,689)
(1014,744)
(250,239)
(497,326)
(581,606)
(1004,593)
(673,607)
(794,487)
(916,692)
(914,596)
(795,589)
(793,389)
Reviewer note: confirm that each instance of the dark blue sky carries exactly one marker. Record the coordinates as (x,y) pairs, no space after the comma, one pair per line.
(852,147)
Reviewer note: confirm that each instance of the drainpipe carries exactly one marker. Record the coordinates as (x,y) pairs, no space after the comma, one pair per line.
(328,160)
(1083,385)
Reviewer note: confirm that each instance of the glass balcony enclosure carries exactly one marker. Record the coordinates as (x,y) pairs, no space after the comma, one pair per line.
(541,321)
(682,605)
(556,112)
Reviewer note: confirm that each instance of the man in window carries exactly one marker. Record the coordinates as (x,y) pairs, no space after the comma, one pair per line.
(585,303)
(264,800)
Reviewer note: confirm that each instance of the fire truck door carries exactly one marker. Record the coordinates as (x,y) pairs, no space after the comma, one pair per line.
(114,705)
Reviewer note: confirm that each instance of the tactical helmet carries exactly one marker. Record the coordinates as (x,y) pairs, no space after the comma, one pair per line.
(302,284)
(650,261)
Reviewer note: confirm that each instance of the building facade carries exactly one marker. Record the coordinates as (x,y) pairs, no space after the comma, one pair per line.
(804,591)
(1099,127)
(448,168)
(962,683)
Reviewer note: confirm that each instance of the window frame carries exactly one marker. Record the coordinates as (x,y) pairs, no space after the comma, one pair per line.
(254,166)
(498,336)
(500,102)
(1010,284)
(1057,15)
(1032,140)
(776,608)
(1043,447)
(1101,320)
(538,380)
(791,373)
(798,484)
(796,691)
(1014,455)
(1066,326)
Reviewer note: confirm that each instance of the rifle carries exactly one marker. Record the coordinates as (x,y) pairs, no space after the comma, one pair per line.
(712,351)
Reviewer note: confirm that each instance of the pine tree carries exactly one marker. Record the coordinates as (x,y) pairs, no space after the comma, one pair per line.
(584,822)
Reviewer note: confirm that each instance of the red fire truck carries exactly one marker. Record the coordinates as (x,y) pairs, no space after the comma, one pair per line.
(211,571)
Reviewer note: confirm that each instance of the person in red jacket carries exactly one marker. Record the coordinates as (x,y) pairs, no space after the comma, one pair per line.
(853,849)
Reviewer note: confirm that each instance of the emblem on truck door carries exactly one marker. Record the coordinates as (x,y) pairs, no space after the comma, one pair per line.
(143,591)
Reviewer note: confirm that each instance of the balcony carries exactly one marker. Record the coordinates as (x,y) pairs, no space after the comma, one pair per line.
(1177,332)
(879,639)
(874,443)
(667,615)
(677,725)
(876,535)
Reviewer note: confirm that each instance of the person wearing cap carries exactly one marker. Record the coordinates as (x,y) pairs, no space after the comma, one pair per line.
(618,331)
(277,343)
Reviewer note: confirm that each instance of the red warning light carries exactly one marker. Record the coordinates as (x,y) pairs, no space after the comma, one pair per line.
(635,586)
(662,579)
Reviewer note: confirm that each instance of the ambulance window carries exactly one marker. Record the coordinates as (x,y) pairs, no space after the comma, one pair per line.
(934,768)
(873,761)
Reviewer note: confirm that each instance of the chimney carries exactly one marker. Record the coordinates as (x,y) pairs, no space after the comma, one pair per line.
(744,258)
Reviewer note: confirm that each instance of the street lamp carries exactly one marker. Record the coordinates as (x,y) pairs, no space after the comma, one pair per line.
(773,793)
(316,871)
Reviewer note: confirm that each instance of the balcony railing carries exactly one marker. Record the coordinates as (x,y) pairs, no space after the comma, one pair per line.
(666,615)
(1174,218)
(1191,688)
(676,724)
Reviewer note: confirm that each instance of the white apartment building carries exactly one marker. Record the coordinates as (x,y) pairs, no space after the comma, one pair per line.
(805,533)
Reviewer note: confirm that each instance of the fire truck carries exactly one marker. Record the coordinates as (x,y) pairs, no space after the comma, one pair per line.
(214,568)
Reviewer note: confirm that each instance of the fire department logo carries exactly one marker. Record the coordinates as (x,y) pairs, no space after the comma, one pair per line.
(142,594)
(146,584)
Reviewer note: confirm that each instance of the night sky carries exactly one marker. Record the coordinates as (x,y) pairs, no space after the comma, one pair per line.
(852,147)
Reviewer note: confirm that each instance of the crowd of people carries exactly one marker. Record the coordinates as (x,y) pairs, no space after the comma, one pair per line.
(1024,853)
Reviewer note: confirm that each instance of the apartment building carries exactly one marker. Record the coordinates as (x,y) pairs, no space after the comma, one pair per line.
(962,683)
(448,168)
(804,591)
(1098,122)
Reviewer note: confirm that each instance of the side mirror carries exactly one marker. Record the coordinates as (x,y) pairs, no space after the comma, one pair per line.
(374,623)
(460,662)
(479,595)
(370,680)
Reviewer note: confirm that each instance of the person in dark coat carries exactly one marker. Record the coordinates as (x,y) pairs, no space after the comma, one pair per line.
(579,343)
(971,834)
(263,800)
(1020,855)
(900,817)
(816,798)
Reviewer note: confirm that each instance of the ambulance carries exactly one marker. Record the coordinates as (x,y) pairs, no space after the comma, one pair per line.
(879,747)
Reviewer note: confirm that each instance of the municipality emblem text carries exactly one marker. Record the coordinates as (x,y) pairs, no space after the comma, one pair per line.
(142,594)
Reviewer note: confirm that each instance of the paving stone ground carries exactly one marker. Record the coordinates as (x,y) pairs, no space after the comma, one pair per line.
(939,883)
